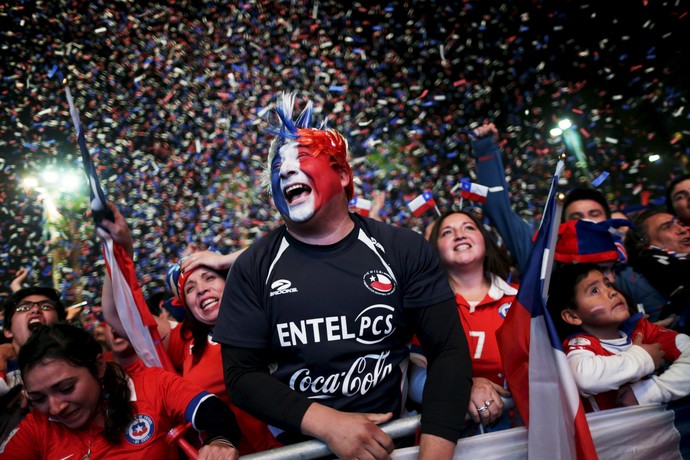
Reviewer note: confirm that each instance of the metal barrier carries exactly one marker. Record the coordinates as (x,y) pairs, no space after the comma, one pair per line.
(314,448)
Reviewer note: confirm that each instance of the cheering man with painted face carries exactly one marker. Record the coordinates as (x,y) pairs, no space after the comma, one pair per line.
(317,316)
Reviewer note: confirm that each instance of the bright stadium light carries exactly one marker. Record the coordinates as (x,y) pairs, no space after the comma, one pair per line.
(30,182)
(564,124)
(50,176)
(555,132)
(653,158)
(70,182)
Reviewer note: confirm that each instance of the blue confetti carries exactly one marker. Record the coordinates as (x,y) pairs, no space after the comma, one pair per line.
(602,177)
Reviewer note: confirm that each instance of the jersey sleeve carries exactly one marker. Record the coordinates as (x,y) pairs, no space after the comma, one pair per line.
(242,320)
(491,173)
(179,397)
(23,442)
(596,374)
(421,276)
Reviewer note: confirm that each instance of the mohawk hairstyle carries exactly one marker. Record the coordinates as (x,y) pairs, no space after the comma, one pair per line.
(320,140)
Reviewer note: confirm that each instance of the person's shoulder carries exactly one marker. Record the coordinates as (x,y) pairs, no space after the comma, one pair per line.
(580,341)
(374,227)
(261,246)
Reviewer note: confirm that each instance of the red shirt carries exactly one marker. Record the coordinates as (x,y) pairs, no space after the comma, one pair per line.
(651,333)
(480,325)
(208,373)
(163,401)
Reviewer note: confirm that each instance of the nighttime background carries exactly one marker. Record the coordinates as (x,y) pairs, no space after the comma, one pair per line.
(175,100)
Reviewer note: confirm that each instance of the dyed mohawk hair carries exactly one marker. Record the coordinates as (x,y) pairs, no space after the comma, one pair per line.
(319,140)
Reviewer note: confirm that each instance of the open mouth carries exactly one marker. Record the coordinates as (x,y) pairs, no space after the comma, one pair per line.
(462,247)
(35,323)
(296,192)
(207,303)
(620,306)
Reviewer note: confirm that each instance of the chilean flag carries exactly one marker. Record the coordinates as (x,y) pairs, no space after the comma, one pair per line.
(136,318)
(534,363)
(361,206)
(474,192)
(422,204)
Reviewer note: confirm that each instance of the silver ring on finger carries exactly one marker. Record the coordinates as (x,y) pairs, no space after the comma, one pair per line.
(488,403)
(481,409)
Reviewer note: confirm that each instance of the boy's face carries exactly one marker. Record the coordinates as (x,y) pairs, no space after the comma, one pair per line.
(599,304)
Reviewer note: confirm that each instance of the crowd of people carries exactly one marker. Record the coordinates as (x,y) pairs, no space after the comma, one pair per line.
(171,94)
(313,325)
(180,105)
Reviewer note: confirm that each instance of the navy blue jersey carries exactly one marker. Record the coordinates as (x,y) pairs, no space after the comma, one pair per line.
(333,316)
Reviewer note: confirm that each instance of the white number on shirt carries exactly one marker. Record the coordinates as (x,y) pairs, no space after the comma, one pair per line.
(481,336)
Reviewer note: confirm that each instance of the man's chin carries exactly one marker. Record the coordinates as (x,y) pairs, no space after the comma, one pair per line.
(301,213)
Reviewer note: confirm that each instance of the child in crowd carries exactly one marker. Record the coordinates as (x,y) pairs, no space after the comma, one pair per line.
(613,354)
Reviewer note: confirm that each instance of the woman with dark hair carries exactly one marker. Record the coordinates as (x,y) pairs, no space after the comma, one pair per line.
(477,272)
(87,408)
(197,281)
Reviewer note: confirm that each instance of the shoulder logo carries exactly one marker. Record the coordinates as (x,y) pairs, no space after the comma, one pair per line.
(377,244)
(503,309)
(140,430)
(282,286)
(379,282)
(579,342)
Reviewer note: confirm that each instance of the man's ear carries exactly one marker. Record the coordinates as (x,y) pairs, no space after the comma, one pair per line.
(345,177)
(570,316)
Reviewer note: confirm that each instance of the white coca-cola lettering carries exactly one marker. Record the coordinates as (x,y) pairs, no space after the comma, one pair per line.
(364,374)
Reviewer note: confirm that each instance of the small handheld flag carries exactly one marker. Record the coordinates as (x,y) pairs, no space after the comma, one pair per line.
(360,206)
(422,204)
(474,192)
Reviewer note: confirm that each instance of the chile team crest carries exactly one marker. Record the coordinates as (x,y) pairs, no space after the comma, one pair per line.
(140,430)
(379,282)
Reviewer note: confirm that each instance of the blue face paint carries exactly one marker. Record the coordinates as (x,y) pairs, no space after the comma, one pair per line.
(278,197)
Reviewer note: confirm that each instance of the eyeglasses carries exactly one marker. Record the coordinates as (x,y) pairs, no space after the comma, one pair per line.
(44,305)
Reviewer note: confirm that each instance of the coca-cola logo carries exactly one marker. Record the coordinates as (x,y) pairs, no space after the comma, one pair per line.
(365,373)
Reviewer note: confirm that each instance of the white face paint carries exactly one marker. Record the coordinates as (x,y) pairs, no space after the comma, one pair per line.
(295,186)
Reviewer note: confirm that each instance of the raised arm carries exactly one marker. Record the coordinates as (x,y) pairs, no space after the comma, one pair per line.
(491,173)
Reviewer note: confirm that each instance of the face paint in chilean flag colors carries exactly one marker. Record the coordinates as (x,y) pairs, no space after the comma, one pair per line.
(302,183)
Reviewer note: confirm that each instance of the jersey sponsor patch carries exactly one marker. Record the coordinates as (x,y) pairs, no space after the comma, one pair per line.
(503,309)
(379,282)
(579,342)
(140,430)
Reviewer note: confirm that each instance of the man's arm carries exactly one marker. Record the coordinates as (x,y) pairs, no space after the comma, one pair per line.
(449,377)
(254,390)
(491,173)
